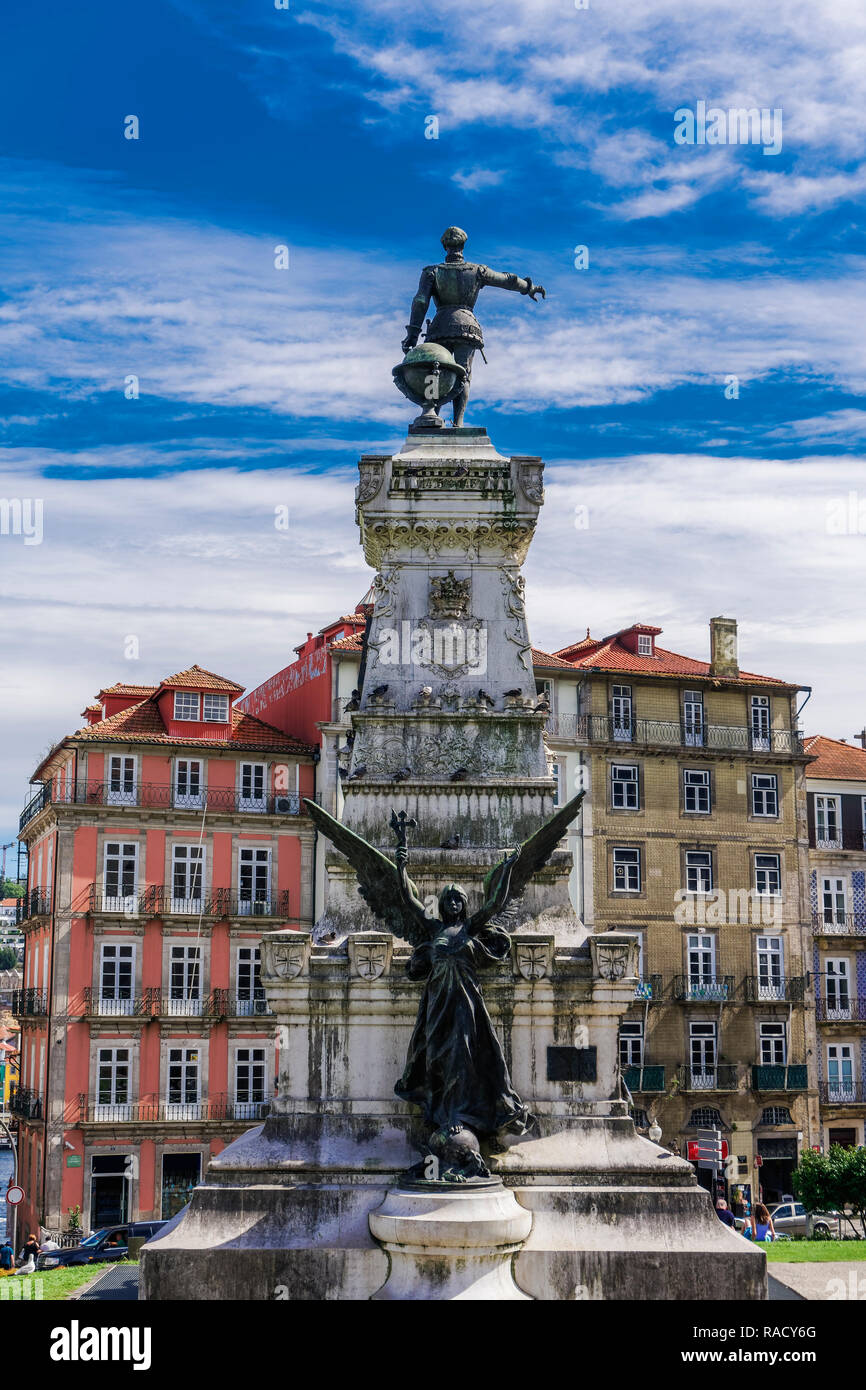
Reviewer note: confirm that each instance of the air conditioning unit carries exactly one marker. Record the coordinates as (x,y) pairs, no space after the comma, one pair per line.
(285,805)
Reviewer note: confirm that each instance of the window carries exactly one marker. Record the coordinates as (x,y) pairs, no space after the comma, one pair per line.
(644,644)
(624,787)
(187,878)
(250,994)
(250,1082)
(631,1044)
(121,876)
(701,959)
(840,1072)
(116,980)
(834,900)
(765,794)
(184,981)
(215,709)
(184,1082)
(837,988)
(112,1083)
(776,1115)
(555,771)
(186,705)
(699,871)
(768,875)
(827,823)
(702,1053)
(706,1117)
(696,791)
(188,784)
(693,718)
(761,722)
(254,882)
(771,974)
(121,790)
(773,1044)
(621,713)
(252,794)
(626,870)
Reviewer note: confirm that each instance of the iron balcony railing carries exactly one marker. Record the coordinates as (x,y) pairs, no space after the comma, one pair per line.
(767,1077)
(831,923)
(162,795)
(160,901)
(26,1103)
(643,1079)
(841,1010)
(704,988)
(36,902)
(222,1108)
(119,1005)
(661,733)
(787,990)
(159,1003)
(842,1092)
(29,1003)
(649,988)
(225,1004)
(722,1077)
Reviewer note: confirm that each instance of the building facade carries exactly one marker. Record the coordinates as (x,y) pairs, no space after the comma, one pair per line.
(164,838)
(693,836)
(836,788)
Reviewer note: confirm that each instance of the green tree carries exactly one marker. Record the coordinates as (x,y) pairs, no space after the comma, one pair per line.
(11,890)
(8,957)
(835,1181)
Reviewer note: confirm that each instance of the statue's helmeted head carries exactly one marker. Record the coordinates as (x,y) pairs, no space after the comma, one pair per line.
(454,239)
(453,903)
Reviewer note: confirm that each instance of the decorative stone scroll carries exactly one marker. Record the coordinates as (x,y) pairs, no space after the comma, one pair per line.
(285,955)
(614,957)
(532,955)
(370,953)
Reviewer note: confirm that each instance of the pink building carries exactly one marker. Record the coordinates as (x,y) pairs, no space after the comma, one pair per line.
(165,837)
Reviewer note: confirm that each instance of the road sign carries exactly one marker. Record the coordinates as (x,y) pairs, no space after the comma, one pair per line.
(14,1195)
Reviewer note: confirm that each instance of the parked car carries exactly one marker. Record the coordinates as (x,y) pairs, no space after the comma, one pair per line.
(792,1219)
(108,1243)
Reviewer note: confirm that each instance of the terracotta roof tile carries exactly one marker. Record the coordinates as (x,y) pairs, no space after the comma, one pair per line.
(355,643)
(835,760)
(555,663)
(608,654)
(124,688)
(143,724)
(197,678)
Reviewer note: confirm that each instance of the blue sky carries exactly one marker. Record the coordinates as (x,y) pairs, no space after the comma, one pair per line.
(259,387)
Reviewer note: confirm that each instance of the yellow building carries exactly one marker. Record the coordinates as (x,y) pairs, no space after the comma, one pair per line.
(693,836)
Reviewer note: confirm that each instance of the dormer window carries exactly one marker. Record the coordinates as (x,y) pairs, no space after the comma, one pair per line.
(186,705)
(644,644)
(215,709)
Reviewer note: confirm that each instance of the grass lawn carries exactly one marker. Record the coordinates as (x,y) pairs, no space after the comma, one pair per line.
(58,1284)
(807,1251)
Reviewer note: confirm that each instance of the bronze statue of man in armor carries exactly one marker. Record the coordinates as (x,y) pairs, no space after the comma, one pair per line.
(454,286)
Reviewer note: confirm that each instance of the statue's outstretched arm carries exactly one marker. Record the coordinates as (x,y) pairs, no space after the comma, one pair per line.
(407,887)
(420,305)
(504,280)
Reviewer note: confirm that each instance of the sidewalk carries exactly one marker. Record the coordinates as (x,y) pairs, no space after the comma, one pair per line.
(824,1281)
(119,1284)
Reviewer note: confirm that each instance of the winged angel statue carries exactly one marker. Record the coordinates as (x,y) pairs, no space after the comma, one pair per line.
(455,1069)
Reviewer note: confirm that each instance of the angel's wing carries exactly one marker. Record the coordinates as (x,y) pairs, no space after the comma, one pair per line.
(378,879)
(532,855)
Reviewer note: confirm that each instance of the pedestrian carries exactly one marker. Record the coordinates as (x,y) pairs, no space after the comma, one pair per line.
(49,1244)
(726,1217)
(7,1256)
(30,1251)
(762,1223)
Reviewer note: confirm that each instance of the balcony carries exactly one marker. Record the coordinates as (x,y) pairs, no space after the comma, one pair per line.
(643,1079)
(227,1005)
(722,1077)
(36,902)
(162,796)
(842,1092)
(219,1109)
(830,923)
(779,1078)
(157,1003)
(703,989)
(98,1005)
(674,734)
(649,989)
(29,1003)
(841,1010)
(26,1103)
(759,990)
(160,901)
